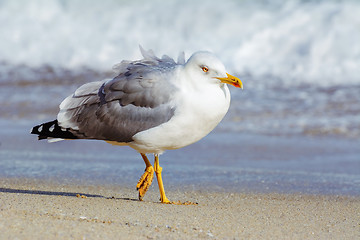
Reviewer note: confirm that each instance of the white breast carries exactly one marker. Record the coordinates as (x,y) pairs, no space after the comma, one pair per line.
(196,115)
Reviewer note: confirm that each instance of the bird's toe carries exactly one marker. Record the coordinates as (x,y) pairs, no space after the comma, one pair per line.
(145,182)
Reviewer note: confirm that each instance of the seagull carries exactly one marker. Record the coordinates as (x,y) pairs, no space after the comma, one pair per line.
(152,105)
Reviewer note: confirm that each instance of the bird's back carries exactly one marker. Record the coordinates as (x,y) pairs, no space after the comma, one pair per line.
(138,98)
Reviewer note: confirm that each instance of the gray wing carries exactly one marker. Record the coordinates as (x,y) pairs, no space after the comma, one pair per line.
(139,98)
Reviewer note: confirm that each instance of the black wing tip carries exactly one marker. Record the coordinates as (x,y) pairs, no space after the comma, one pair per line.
(52,130)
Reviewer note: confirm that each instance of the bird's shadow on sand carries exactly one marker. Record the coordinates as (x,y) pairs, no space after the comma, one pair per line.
(65,194)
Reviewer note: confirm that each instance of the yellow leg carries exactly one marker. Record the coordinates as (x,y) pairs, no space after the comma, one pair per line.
(158,170)
(146,179)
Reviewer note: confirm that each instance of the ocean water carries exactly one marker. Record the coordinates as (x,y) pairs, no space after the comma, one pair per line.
(299,62)
(312,42)
(223,161)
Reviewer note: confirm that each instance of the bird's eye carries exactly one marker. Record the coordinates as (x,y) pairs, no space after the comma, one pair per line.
(205,69)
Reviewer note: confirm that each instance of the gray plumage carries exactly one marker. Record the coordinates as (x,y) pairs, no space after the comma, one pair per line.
(152,105)
(137,99)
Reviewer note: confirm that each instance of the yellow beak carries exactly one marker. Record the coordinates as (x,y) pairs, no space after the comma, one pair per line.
(232,81)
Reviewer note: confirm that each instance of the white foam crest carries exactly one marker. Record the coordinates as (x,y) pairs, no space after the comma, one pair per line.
(312,42)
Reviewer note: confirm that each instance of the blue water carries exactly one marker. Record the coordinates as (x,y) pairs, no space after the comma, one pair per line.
(299,60)
(220,162)
(294,128)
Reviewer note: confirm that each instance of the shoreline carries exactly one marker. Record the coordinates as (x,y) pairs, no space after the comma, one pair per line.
(37,209)
(248,163)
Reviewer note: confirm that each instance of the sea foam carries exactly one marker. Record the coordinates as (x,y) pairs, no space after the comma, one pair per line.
(299,42)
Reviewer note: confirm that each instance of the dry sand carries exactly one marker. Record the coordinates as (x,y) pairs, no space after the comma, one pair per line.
(43,210)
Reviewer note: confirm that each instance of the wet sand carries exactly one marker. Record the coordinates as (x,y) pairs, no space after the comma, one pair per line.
(37,209)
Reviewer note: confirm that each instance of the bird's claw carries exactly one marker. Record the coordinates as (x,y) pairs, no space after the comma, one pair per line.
(145,181)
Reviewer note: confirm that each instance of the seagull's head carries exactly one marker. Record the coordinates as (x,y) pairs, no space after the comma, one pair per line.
(206,66)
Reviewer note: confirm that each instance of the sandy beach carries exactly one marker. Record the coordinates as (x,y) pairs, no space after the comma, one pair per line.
(41,210)
(284,163)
